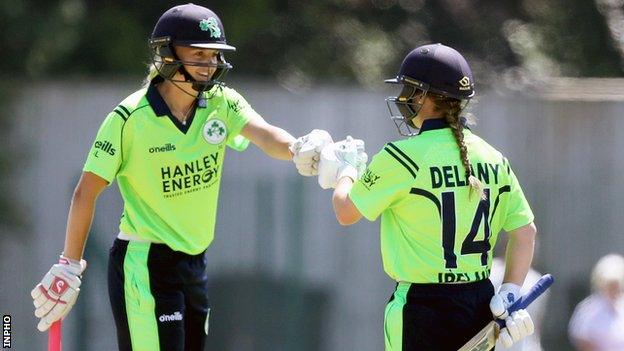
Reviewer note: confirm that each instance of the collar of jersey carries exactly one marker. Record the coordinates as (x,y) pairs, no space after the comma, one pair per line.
(157,102)
(433,124)
(161,109)
(437,123)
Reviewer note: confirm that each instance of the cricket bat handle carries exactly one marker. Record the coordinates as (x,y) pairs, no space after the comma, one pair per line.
(538,289)
(54,337)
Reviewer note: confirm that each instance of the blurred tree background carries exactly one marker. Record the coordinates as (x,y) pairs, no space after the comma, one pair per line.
(9,209)
(300,43)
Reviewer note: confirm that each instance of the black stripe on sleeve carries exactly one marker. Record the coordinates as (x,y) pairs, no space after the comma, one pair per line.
(120,114)
(125,110)
(401,162)
(405,156)
(501,191)
(122,130)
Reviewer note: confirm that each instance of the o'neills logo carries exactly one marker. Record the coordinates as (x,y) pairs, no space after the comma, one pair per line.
(165,148)
(191,176)
(105,146)
(176,316)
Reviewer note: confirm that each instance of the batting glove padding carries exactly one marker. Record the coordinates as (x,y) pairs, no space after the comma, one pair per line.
(56,294)
(346,158)
(518,326)
(306,151)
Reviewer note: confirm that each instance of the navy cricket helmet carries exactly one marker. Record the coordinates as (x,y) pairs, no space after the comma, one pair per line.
(192,26)
(432,68)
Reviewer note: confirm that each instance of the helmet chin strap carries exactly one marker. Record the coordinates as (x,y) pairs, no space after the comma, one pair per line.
(197,85)
(187,76)
(177,85)
(201,100)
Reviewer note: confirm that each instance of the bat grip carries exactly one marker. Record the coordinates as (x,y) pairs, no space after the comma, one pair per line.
(525,300)
(54,337)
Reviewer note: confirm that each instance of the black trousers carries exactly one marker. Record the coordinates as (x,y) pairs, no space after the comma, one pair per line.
(159,297)
(436,317)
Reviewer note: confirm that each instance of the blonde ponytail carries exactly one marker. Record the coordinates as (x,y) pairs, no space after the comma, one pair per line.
(152,72)
(452,108)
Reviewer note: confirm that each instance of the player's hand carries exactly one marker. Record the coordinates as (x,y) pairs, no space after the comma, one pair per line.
(519,324)
(507,294)
(306,151)
(346,158)
(56,294)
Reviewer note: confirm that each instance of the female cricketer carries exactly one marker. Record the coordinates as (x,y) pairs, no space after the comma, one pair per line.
(165,145)
(443,194)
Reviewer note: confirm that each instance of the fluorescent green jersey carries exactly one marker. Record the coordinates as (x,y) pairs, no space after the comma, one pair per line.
(169,173)
(432,231)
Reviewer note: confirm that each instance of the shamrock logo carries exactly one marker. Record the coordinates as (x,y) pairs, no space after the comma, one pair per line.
(211,25)
(215,131)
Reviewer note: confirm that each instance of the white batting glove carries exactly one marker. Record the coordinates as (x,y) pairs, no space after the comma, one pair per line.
(346,158)
(56,294)
(507,294)
(519,324)
(306,151)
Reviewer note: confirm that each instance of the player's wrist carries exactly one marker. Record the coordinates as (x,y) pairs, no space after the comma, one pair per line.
(75,267)
(347,171)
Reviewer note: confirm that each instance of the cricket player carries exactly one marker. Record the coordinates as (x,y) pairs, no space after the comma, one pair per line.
(165,145)
(443,194)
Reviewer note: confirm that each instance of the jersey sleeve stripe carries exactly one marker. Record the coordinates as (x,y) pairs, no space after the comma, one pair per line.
(407,158)
(428,195)
(125,110)
(502,190)
(120,114)
(401,162)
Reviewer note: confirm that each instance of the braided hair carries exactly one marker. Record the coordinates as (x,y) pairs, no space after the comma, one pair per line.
(452,108)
